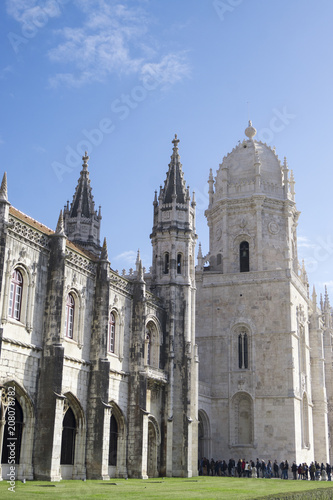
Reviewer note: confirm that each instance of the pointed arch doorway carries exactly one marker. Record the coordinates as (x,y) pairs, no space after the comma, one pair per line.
(153,448)
(204,441)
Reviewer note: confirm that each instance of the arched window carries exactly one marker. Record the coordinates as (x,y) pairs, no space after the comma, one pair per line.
(243,350)
(148,342)
(152,345)
(12,433)
(242,420)
(68,438)
(244,257)
(15,295)
(166,263)
(305,422)
(69,318)
(112,332)
(179,263)
(113,445)
(219,259)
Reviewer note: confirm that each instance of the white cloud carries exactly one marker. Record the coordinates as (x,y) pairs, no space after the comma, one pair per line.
(128,257)
(304,242)
(39,149)
(33,12)
(4,71)
(171,69)
(103,38)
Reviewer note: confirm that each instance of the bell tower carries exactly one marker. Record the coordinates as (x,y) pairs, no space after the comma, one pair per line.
(173,279)
(252,324)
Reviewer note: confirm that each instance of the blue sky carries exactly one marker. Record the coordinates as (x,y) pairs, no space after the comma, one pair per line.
(120,78)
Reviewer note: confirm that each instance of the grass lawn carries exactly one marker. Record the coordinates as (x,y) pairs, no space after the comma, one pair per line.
(203,488)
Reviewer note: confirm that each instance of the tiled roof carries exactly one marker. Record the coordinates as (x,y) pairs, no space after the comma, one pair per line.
(46,230)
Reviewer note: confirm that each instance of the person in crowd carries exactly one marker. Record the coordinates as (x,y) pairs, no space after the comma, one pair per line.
(239,467)
(212,466)
(300,471)
(263,468)
(269,469)
(224,468)
(285,468)
(294,469)
(276,469)
(305,471)
(312,471)
(258,467)
(328,472)
(317,474)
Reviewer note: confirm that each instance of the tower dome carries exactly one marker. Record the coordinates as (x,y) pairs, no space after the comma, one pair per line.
(251,167)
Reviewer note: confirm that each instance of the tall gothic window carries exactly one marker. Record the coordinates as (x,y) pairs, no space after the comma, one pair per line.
(112,331)
(305,422)
(242,419)
(166,263)
(69,318)
(15,295)
(68,438)
(243,351)
(148,341)
(12,433)
(113,446)
(244,257)
(179,263)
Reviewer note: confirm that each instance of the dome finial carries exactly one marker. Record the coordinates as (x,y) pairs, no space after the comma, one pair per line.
(250,131)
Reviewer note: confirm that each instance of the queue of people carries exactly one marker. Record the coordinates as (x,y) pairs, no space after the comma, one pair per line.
(249,468)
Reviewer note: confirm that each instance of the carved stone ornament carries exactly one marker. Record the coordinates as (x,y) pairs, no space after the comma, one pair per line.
(4,397)
(243,223)
(66,406)
(273,228)
(218,233)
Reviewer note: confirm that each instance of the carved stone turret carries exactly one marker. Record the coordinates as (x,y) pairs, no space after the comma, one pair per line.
(81,221)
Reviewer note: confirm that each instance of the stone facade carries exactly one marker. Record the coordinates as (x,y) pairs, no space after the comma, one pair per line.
(99,373)
(265,347)
(99,370)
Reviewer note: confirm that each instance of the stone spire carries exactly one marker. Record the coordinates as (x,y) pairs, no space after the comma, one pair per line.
(174,187)
(327,310)
(200,258)
(60,226)
(82,221)
(3,188)
(104,252)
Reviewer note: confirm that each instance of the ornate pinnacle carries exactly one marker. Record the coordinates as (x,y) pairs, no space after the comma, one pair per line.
(250,131)
(104,252)
(175,141)
(200,256)
(3,188)
(85,159)
(60,226)
(137,259)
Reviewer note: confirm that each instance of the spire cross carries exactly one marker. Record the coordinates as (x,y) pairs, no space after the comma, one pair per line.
(85,159)
(175,141)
